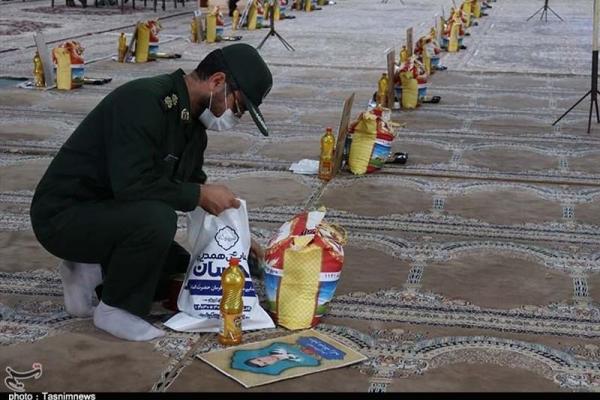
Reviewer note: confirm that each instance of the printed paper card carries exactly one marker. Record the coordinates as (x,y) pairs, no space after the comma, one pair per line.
(273,360)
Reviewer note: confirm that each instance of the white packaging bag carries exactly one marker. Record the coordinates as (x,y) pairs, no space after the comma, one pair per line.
(214,241)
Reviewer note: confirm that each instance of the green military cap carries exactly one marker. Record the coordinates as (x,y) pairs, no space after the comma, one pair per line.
(252,76)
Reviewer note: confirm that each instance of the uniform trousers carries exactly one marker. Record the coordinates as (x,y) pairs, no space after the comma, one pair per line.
(133,241)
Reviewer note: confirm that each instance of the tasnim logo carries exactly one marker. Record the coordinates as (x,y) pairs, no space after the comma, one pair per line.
(226,238)
(14,378)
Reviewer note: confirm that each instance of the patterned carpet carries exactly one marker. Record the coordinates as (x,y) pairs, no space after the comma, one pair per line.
(474,267)
(10,28)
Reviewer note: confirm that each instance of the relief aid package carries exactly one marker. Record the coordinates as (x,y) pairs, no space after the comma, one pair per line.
(214,241)
(303,263)
(369,142)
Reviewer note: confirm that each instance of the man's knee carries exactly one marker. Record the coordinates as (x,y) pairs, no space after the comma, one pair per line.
(158,220)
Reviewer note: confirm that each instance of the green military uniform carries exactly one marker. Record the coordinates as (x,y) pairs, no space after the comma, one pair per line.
(110,194)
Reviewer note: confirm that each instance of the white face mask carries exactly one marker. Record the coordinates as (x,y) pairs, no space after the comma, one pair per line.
(226,121)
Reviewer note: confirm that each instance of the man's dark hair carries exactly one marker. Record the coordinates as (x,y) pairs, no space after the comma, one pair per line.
(211,64)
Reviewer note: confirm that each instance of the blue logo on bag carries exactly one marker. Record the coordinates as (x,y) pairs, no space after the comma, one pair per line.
(208,268)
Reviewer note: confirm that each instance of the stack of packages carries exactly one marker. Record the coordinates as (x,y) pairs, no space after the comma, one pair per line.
(304,259)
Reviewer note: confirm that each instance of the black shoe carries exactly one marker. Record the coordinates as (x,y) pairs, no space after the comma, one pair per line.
(431,100)
(398,158)
(463,47)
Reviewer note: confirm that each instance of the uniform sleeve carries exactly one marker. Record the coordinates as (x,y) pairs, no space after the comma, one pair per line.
(135,168)
(198,176)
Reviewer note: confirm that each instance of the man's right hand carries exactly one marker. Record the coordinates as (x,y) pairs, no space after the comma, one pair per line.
(217,198)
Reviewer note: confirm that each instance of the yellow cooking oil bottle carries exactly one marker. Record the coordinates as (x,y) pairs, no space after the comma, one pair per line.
(326,159)
(232,305)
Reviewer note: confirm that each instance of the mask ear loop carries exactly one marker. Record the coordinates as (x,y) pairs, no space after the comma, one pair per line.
(226,97)
(210,102)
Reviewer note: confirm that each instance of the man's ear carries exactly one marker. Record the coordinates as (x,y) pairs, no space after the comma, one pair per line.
(216,81)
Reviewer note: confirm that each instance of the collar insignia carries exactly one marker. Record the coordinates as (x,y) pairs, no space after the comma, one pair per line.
(185,115)
(168,102)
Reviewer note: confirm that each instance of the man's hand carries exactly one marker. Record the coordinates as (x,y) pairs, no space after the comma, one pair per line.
(217,198)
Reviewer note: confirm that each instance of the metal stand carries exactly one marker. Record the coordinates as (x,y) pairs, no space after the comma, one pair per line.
(273,32)
(593,93)
(544,11)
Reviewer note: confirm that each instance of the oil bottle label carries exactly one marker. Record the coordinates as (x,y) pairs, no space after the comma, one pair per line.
(326,164)
(231,326)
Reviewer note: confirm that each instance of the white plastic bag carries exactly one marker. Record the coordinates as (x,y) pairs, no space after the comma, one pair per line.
(215,240)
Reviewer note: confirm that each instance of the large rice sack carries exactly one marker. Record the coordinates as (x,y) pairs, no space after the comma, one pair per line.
(370,142)
(303,262)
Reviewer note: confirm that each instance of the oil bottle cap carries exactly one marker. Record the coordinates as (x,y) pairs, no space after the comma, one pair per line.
(234,261)
(328,129)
